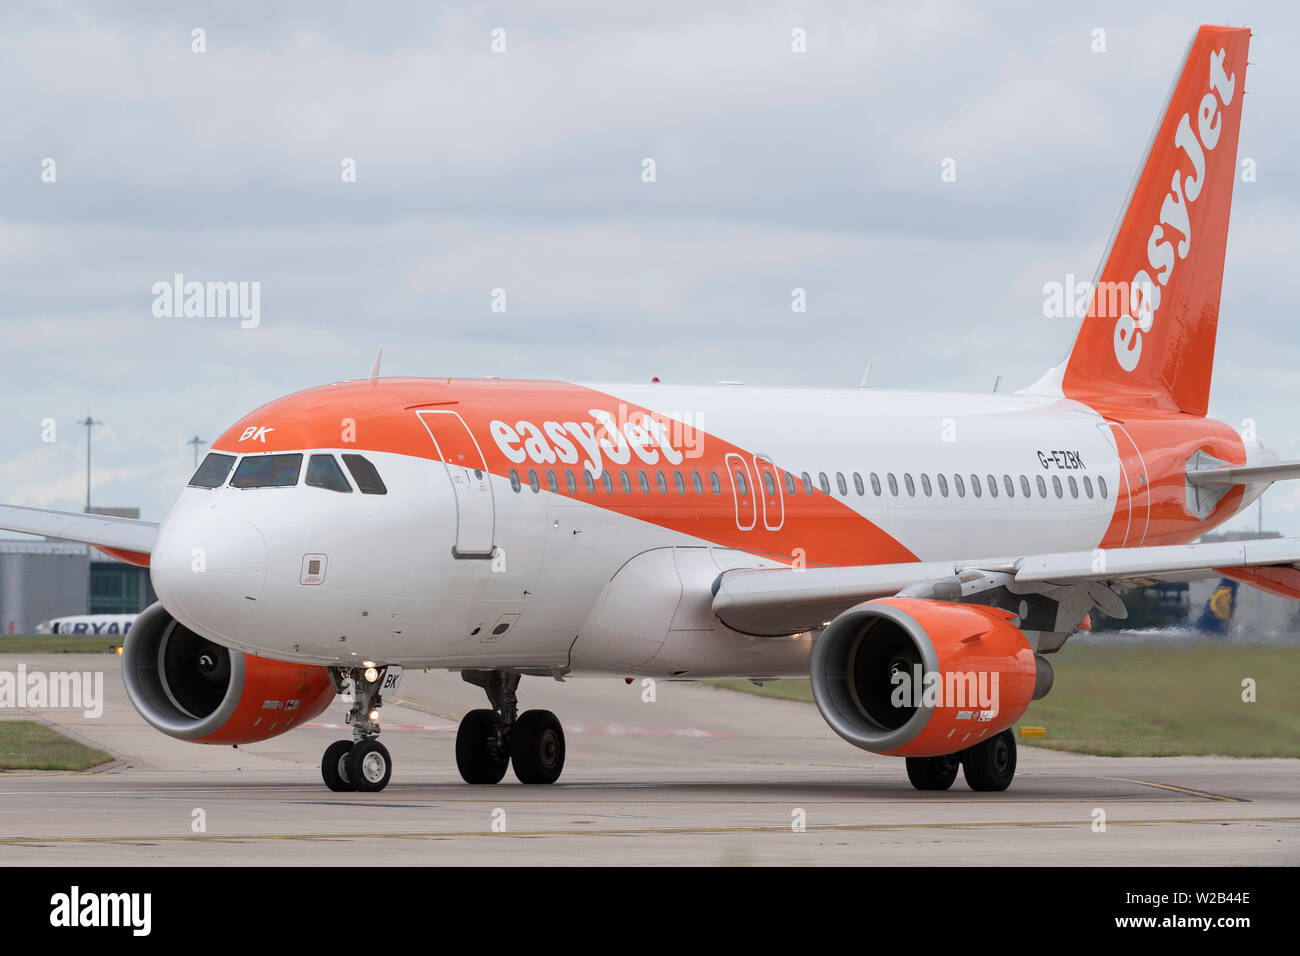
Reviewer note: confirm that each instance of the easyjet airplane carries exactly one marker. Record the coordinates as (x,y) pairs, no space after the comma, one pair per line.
(864,537)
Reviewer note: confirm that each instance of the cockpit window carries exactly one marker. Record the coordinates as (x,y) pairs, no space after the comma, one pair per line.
(267,471)
(364,474)
(324,472)
(212,473)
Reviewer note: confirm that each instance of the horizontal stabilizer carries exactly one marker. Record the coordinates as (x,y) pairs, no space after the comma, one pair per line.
(1245,474)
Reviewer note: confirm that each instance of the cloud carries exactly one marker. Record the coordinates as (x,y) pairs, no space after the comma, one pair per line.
(775,170)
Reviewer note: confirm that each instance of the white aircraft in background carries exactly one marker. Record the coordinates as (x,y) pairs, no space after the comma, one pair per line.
(863,537)
(88,625)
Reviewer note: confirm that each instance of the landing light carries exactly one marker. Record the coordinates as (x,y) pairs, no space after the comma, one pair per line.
(372,675)
(374,714)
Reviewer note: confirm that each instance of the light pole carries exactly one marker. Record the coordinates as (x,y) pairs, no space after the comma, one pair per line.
(89,423)
(196,441)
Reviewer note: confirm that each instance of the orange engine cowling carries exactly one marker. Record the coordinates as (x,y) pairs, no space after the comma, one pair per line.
(910,677)
(190,688)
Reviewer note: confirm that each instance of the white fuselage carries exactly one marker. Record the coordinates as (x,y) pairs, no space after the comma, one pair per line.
(614,582)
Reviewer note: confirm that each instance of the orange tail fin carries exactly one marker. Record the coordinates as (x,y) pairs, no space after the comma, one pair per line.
(1147,339)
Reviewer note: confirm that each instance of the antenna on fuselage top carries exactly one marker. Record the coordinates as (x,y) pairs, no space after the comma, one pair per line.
(996,382)
(866,374)
(374,369)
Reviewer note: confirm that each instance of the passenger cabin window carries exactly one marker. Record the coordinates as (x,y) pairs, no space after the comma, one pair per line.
(943,485)
(267,471)
(857,485)
(514,479)
(742,487)
(1101,486)
(213,471)
(789,484)
(925,484)
(569,482)
(1042,486)
(324,472)
(365,475)
(588,482)
(911,486)
(875,484)
(843,485)
(697,483)
(1024,486)
(1056,486)
(679,482)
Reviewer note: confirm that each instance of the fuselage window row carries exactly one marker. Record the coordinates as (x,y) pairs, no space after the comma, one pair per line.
(326,477)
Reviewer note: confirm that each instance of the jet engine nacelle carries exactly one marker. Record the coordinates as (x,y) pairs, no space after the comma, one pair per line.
(190,688)
(910,677)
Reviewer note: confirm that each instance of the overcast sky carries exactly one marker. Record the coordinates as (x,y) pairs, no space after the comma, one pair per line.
(522,170)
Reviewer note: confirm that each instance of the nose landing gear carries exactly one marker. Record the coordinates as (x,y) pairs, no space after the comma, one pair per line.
(487,740)
(362,763)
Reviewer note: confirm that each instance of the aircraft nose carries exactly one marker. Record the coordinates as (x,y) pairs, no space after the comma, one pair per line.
(208,567)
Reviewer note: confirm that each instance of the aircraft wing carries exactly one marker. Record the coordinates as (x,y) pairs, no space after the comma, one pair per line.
(104,531)
(780,601)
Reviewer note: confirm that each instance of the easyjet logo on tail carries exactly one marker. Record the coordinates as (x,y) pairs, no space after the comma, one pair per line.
(1163,253)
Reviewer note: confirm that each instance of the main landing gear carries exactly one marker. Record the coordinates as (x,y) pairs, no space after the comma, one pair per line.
(989,766)
(488,740)
(362,763)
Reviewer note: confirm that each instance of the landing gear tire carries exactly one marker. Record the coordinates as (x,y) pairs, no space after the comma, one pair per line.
(476,756)
(537,747)
(989,766)
(932,773)
(333,766)
(369,766)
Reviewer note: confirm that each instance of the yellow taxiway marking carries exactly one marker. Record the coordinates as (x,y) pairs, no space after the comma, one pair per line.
(1194,793)
(625,831)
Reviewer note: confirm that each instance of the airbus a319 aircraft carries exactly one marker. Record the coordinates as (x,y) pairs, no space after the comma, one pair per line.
(864,537)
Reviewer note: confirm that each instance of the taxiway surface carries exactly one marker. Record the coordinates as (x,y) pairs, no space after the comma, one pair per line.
(699,776)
